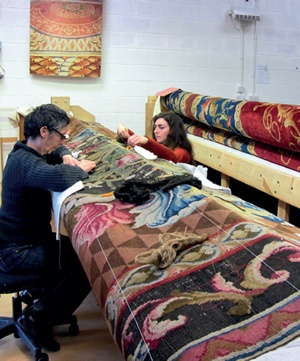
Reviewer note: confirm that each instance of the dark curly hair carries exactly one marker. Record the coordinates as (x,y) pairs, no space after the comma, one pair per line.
(177,136)
(48,115)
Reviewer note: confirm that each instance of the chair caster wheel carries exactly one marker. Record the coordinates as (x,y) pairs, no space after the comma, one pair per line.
(42,357)
(73,328)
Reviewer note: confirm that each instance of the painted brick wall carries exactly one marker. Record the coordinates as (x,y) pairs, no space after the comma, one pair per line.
(150,45)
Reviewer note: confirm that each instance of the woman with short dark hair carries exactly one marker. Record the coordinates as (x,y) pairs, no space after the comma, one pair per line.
(34,168)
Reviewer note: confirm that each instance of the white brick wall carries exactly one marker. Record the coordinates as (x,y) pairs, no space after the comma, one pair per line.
(156,44)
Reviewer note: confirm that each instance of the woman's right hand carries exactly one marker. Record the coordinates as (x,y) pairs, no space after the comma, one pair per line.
(87,165)
(136,139)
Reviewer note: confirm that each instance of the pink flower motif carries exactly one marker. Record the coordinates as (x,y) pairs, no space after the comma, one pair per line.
(221,285)
(285,324)
(294,257)
(88,149)
(128,158)
(94,218)
(223,352)
(154,328)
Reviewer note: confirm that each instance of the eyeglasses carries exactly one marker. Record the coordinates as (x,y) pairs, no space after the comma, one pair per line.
(63,136)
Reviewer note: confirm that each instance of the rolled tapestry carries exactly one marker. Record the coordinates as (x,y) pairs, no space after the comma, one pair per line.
(270,131)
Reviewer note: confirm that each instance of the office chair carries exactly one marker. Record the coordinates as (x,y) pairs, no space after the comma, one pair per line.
(16,283)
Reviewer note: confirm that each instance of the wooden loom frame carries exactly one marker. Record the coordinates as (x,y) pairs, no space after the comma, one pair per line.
(277,181)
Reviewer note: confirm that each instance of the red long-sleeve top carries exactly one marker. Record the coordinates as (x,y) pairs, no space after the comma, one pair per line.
(177,155)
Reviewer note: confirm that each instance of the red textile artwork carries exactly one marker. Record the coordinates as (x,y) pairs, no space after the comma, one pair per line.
(268,130)
(65,38)
(276,155)
(275,124)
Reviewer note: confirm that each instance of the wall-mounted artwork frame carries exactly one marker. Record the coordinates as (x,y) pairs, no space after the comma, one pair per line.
(66,38)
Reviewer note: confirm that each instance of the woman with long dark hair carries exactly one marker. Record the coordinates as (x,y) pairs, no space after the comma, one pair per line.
(169,138)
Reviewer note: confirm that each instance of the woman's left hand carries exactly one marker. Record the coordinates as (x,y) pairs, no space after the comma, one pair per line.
(69,159)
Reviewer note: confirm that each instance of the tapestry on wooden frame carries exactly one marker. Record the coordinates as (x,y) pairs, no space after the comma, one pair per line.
(66,38)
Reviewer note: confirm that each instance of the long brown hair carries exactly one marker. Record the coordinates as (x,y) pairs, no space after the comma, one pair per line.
(177,138)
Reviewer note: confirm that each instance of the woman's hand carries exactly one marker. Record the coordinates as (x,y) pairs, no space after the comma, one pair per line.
(69,159)
(87,165)
(122,131)
(136,139)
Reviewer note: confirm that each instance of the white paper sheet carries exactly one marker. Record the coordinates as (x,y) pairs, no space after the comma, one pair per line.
(57,200)
(145,153)
(200,172)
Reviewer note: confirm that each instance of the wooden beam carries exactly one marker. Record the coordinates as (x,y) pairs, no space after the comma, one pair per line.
(62,102)
(149,114)
(277,181)
(283,210)
(225,180)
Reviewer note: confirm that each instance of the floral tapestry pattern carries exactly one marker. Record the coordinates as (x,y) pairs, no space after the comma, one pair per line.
(233,296)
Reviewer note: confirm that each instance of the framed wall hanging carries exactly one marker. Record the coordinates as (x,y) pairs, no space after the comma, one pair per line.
(66,38)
